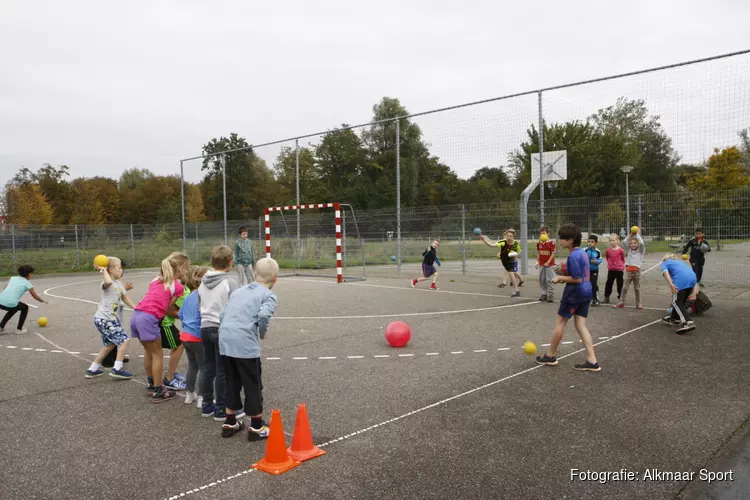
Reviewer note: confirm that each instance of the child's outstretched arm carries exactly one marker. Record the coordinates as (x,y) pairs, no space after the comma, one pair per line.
(267,308)
(487,241)
(37,297)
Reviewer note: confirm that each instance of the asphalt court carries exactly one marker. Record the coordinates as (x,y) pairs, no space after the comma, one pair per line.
(459,411)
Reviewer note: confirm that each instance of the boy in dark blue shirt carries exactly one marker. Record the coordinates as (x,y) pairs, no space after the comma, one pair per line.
(697,247)
(682,281)
(595,258)
(575,300)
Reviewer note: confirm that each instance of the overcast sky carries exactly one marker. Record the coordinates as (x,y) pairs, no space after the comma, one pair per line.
(104,86)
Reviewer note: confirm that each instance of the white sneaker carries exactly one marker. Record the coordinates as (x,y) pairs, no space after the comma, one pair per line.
(21,331)
(190,397)
(199,402)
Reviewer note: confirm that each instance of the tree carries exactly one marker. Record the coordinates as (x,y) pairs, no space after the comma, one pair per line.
(194,207)
(611,216)
(745,150)
(311,186)
(724,171)
(88,208)
(345,168)
(250,185)
(52,181)
(28,205)
(128,186)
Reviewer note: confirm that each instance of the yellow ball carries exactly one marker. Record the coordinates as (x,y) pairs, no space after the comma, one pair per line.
(543,237)
(529,347)
(685,256)
(42,321)
(634,230)
(101,261)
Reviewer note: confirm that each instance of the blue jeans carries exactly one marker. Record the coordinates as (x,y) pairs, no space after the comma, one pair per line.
(212,372)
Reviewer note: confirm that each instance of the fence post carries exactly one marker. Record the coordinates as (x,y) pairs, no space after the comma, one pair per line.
(541,161)
(132,245)
(343,235)
(224,182)
(78,250)
(640,213)
(13,242)
(463,238)
(299,236)
(398,196)
(197,256)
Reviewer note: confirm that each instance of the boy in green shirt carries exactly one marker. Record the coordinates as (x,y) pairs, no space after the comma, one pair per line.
(244,258)
(170,339)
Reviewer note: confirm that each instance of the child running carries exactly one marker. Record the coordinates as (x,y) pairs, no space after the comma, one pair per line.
(545,262)
(615,266)
(108,320)
(633,265)
(161,295)
(244,322)
(575,300)
(429,259)
(10,298)
(509,251)
(681,280)
(190,319)
(595,258)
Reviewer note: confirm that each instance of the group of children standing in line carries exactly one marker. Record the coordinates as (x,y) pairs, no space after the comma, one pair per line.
(221,325)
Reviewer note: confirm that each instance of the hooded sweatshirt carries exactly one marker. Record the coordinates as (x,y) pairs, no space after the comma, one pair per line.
(213,294)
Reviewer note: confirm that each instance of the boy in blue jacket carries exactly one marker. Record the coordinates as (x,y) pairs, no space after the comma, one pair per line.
(595,258)
(244,321)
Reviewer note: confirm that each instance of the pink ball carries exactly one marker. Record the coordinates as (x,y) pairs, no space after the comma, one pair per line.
(398,334)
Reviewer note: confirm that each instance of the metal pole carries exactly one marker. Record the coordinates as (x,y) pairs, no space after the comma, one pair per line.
(463,238)
(299,237)
(13,242)
(541,161)
(78,251)
(343,236)
(640,211)
(398,196)
(182,206)
(132,246)
(627,201)
(224,180)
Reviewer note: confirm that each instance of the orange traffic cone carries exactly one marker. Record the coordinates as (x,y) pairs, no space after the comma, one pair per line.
(276,460)
(302,442)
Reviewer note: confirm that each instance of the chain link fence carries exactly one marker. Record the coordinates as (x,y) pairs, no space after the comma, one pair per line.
(370,244)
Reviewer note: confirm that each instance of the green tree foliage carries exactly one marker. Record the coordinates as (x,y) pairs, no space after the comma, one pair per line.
(724,171)
(312,189)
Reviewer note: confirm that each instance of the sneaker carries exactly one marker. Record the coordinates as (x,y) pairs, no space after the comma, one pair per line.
(639,306)
(199,402)
(162,395)
(150,388)
(208,410)
(546,360)
(542,298)
(669,321)
(433,286)
(620,305)
(550,298)
(121,373)
(21,331)
(606,300)
(94,374)
(254,434)
(520,283)
(219,414)
(190,397)
(588,366)
(174,384)
(502,285)
(229,430)
(413,283)
(594,302)
(687,327)
(516,294)
(180,376)
(239,414)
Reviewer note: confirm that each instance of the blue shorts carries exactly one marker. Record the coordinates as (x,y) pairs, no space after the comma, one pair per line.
(569,309)
(428,270)
(111,331)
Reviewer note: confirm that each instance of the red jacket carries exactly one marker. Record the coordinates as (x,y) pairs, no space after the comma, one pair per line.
(544,250)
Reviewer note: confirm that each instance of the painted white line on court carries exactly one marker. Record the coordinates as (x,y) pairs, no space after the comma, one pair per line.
(382,356)
(406,355)
(567,342)
(327,357)
(300,357)
(55,350)
(40,350)
(431,353)
(355,357)
(503,348)
(457,352)
(480,350)
(425,408)
(27,348)
(603,338)
(272,359)
(11,347)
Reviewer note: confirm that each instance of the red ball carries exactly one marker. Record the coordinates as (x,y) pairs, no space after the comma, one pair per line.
(398,334)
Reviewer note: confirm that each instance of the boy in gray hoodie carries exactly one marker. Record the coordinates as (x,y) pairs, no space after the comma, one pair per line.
(244,322)
(213,294)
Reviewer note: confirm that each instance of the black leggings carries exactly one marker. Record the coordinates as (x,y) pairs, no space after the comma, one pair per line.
(611,277)
(13,310)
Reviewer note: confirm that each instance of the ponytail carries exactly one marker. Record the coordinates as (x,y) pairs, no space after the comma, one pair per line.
(169,267)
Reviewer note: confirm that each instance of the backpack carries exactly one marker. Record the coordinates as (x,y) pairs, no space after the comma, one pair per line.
(701,304)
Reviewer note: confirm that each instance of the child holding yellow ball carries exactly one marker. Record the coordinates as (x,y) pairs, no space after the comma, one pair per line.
(10,298)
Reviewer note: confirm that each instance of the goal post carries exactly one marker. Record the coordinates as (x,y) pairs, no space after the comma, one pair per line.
(337,228)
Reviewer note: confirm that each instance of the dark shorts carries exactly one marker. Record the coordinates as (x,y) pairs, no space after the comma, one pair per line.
(170,337)
(428,270)
(144,326)
(511,266)
(569,309)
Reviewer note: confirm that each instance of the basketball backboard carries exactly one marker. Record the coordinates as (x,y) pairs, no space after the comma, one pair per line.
(558,160)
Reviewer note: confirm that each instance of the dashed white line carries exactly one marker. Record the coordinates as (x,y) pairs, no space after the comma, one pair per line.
(602,338)
(327,357)
(355,357)
(431,353)
(480,350)
(55,350)
(11,347)
(27,348)
(40,350)
(406,355)
(300,357)
(273,359)
(503,348)
(382,356)
(457,352)
(567,342)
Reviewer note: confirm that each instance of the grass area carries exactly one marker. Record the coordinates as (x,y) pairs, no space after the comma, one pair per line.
(316,253)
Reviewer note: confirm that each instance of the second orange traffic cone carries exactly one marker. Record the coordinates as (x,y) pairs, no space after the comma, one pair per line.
(303,447)
(277,460)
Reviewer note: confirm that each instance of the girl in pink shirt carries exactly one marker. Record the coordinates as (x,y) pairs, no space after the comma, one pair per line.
(145,323)
(615,256)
